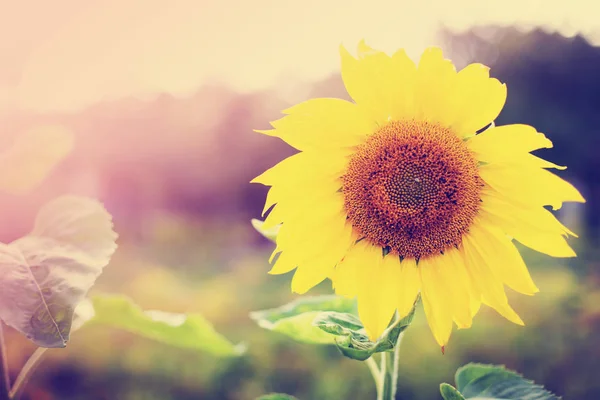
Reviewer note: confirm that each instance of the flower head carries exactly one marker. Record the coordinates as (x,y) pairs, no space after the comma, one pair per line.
(396,194)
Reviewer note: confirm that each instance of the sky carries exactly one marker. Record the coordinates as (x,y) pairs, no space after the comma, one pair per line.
(64,55)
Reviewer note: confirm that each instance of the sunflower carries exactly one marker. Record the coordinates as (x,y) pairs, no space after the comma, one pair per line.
(403,191)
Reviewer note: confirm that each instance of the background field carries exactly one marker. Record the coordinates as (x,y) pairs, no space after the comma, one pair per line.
(174,171)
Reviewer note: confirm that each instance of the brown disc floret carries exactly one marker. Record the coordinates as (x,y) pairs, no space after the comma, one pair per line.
(412,188)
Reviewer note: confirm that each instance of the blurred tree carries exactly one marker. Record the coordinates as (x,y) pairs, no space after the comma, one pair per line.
(554,85)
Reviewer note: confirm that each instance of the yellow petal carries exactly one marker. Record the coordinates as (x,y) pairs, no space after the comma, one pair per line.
(529,186)
(376,305)
(435,88)
(294,203)
(308,231)
(315,270)
(531,161)
(479,99)
(403,100)
(298,195)
(503,258)
(274,218)
(535,227)
(271,199)
(475,305)
(381,85)
(503,143)
(306,278)
(362,272)
(454,273)
(305,223)
(316,266)
(284,264)
(315,242)
(510,145)
(322,124)
(490,288)
(348,273)
(435,296)
(449,291)
(335,238)
(407,282)
(305,167)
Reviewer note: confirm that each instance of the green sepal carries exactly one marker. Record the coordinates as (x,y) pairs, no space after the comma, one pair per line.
(351,337)
(270,233)
(331,320)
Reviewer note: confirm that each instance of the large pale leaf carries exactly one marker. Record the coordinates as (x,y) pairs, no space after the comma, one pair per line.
(186,331)
(32,157)
(493,382)
(45,274)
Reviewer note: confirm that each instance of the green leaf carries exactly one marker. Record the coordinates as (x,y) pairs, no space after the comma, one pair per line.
(270,233)
(351,336)
(495,382)
(449,392)
(300,327)
(295,319)
(305,304)
(48,272)
(276,396)
(191,331)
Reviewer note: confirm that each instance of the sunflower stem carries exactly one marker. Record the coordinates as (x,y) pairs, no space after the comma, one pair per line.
(387,383)
(4,376)
(374,371)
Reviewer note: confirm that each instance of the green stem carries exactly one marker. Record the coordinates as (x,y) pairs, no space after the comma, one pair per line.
(374,371)
(396,365)
(388,382)
(385,379)
(4,376)
(26,372)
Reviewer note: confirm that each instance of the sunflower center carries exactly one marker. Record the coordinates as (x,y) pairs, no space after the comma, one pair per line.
(412,188)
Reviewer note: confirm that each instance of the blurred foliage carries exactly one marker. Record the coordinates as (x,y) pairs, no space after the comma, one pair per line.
(276,396)
(558,347)
(553,85)
(33,154)
(185,331)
